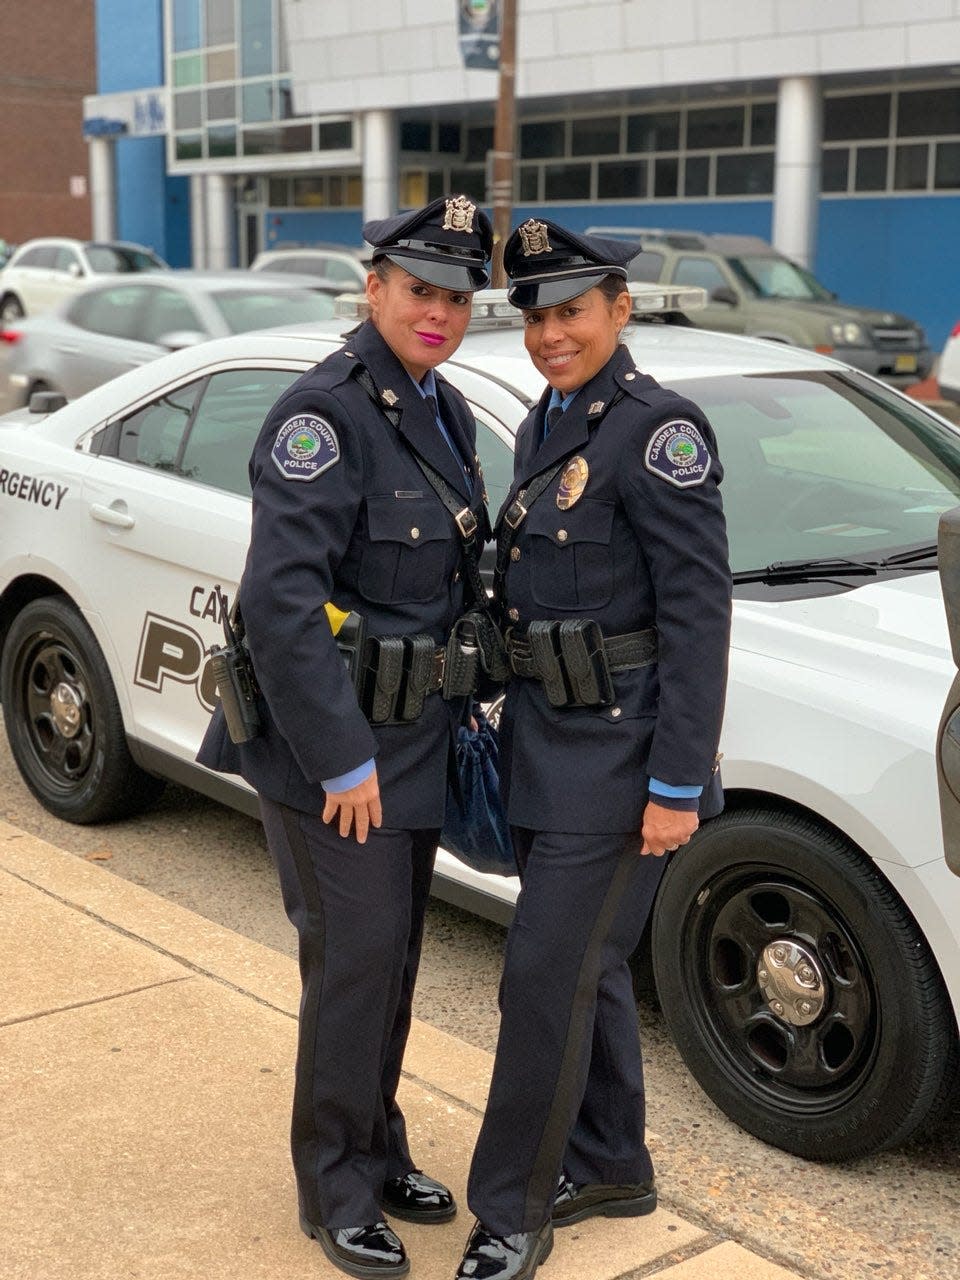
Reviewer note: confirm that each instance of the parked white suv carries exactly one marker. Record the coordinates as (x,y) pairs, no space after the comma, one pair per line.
(42,273)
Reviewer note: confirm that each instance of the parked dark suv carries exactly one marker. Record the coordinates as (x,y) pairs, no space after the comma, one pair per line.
(754,290)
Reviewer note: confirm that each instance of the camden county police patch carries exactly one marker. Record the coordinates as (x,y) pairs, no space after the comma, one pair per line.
(305,447)
(677,453)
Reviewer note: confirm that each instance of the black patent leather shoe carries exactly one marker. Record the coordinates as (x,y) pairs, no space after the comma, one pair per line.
(370,1252)
(516,1257)
(417,1198)
(594,1199)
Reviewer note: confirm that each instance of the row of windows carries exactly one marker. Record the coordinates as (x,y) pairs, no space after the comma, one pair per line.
(317,191)
(247,24)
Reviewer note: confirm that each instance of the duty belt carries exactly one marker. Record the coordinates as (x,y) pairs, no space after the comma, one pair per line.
(399,672)
(575,661)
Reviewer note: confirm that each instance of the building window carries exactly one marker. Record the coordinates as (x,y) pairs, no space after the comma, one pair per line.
(711,127)
(871,170)
(696,176)
(653,131)
(188,70)
(946,175)
(566,182)
(222,64)
(258,101)
(928,112)
(186,24)
(189,146)
(834,169)
(336,135)
(750,174)
(188,110)
(622,180)
(910,167)
(448,138)
(222,140)
(256,26)
(666,177)
(595,136)
(542,139)
(529,192)
(853,116)
(479,141)
(763,124)
(415,135)
(471,181)
(222,103)
(220,28)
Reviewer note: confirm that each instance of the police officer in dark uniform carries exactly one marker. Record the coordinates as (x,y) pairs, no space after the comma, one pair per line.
(615,590)
(352,772)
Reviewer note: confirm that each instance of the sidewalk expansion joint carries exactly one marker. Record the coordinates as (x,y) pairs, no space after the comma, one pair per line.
(183,961)
(85,1004)
(673,1257)
(429,1087)
(692,1213)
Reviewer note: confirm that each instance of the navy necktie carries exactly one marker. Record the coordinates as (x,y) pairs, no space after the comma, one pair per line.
(435,410)
(553,417)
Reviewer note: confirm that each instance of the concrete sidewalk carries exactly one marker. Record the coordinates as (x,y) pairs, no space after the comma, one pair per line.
(146,1073)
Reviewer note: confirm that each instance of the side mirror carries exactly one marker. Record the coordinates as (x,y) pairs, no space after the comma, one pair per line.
(948,734)
(723,293)
(75,270)
(180,338)
(47,401)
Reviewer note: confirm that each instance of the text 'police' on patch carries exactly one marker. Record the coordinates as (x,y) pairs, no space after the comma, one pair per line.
(305,447)
(677,453)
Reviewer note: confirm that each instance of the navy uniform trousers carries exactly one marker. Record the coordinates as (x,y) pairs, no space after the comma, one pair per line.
(358,910)
(568,1059)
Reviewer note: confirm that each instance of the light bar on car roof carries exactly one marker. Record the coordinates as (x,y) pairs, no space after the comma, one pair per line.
(491,310)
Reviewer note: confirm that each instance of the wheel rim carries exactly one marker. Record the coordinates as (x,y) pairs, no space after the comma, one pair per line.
(781,989)
(55,712)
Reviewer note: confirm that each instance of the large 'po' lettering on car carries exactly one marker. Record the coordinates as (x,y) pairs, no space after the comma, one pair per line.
(171,650)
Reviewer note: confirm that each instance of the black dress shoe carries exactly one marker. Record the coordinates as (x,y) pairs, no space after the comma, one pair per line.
(417,1198)
(369,1252)
(592,1199)
(516,1257)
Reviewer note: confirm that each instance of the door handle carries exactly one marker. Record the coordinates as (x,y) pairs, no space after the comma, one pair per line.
(115,514)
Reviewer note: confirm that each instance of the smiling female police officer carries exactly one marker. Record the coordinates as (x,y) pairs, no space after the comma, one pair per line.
(614,584)
(352,789)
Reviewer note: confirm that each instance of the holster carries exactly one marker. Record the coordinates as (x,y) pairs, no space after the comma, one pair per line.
(543,639)
(237,687)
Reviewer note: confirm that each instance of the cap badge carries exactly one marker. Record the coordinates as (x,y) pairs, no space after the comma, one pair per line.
(572,482)
(533,234)
(459,214)
(389,397)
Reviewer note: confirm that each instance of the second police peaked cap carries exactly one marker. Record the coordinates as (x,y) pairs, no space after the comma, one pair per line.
(548,265)
(447,243)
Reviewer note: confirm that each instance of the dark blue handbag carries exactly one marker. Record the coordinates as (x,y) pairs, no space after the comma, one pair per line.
(475,826)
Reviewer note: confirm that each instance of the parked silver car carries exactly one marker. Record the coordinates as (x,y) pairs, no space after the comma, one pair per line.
(124,322)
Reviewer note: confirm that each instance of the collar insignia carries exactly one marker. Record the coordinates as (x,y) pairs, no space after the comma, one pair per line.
(389,397)
(533,235)
(596,407)
(459,214)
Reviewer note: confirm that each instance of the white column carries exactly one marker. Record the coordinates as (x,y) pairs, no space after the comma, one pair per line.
(103,188)
(379,164)
(220,219)
(198,221)
(796,185)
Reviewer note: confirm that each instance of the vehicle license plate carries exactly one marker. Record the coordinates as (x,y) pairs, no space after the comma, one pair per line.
(905,364)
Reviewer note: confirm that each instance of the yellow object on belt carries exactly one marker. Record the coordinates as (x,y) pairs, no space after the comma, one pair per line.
(336,616)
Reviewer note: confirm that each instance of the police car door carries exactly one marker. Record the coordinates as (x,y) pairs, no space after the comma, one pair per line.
(948,736)
(170,514)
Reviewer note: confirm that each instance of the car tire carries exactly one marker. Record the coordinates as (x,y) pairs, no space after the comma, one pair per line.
(11,308)
(798,988)
(63,720)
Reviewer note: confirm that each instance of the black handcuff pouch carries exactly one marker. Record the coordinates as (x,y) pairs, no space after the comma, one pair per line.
(571,663)
(380,678)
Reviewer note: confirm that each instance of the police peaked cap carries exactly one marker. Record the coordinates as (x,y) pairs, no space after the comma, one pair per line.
(548,265)
(447,243)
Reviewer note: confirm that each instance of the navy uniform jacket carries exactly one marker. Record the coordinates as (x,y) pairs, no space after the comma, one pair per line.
(367,532)
(644,546)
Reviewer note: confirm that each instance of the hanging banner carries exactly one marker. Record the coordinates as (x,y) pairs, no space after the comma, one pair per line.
(480,33)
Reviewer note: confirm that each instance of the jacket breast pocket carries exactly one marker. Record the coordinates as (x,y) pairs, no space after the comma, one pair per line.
(571,560)
(408,545)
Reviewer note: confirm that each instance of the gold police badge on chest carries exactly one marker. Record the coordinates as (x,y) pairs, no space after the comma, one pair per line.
(572,482)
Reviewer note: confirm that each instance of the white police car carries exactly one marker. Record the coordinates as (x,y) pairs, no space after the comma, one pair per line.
(806,944)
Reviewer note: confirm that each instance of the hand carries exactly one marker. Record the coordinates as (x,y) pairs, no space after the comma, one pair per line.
(358,807)
(664,830)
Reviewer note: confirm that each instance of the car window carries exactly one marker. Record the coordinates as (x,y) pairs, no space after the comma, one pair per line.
(257,308)
(772,277)
(338,272)
(646,267)
(112,311)
(820,465)
(152,437)
(67,259)
(168,311)
(229,416)
(41,255)
(496,458)
(699,271)
(107,258)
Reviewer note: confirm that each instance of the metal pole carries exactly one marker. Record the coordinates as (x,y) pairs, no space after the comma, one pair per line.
(504,139)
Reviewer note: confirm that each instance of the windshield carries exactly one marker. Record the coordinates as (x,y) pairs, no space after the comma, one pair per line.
(113,257)
(824,465)
(246,309)
(772,277)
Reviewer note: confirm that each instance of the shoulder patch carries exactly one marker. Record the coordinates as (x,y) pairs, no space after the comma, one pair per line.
(305,447)
(678,454)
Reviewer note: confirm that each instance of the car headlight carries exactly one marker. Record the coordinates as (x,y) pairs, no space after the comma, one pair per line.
(847,334)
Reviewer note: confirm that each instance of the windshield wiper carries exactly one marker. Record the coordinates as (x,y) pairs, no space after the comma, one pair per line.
(805,570)
(908,556)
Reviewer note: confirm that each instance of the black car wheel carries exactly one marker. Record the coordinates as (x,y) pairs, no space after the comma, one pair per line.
(798,988)
(11,308)
(63,720)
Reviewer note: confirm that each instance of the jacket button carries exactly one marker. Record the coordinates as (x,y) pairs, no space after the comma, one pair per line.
(513,615)
(514,553)
(414,532)
(629,377)
(616,711)
(561,535)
